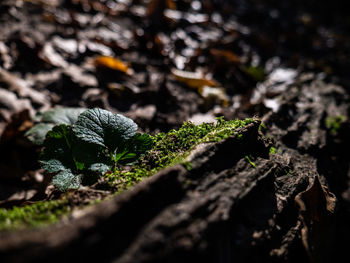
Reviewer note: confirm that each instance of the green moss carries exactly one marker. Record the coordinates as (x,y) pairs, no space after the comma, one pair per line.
(173,147)
(187,165)
(168,149)
(34,215)
(333,123)
(250,161)
(272,150)
(262,127)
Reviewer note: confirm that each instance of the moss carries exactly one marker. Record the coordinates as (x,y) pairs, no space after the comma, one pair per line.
(250,161)
(187,165)
(34,215)
(333,123)
(272,150)
(168,149)
(262,127)
(173,147)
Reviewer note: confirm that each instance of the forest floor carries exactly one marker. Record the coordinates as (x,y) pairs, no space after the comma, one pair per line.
(162,63)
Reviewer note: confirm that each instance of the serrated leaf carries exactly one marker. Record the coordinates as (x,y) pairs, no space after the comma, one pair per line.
(37,133)
(99,168)
(101,127)
(52,165)
(82,152)
(66,180)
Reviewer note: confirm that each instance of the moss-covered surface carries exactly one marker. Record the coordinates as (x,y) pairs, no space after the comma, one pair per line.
(168,149)
(34,215)
(173,147)
(333,123)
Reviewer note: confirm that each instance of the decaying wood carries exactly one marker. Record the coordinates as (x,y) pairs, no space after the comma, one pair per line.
(221,210)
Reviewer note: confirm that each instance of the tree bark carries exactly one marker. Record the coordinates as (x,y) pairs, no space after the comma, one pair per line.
(225,208)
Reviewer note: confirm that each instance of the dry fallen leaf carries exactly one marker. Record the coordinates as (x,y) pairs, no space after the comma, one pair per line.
(193,79)
(51,3)
(316,211)
(50,56)
(22,88)
(155,8)
(214,95)
(171,4)
(5,56)
(10,104)
(112,63)
(227,55)
(15,128)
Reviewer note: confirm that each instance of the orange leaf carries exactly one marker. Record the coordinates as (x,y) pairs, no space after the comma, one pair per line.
(171,4)
(112,63)
(193,79)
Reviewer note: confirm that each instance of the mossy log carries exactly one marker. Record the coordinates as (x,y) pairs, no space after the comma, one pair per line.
(221,208)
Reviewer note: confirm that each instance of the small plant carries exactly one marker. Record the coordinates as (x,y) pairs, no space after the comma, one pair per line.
(85,150)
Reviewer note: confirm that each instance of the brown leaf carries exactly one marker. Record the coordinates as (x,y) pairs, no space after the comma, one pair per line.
(316,209)
(155,8)
(214,95)
(20,122)
(193,79)
(171,4)
(5,56)
(226,55)
(22,88)
(112,63)
(50,56)
(51,3)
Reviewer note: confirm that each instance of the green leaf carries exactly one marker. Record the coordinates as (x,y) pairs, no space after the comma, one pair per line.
(99,168)
(89,154)
(66,180)
(101,127)
(141,142)
(48,119)
(37,133)
(56,155)
(135,147)
(52,165)
(129,156)
(61,115)
(82,152)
